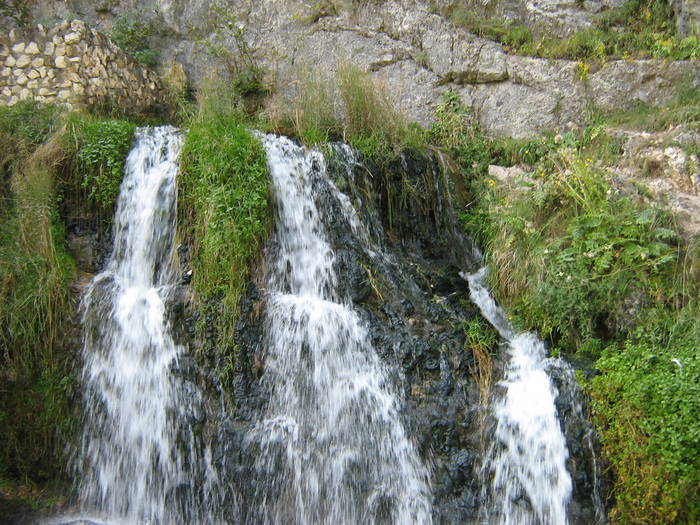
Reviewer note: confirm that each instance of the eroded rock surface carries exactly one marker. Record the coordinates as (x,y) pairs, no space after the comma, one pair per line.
(415,50)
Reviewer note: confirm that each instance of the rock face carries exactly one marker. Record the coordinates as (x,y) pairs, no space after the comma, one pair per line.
(687,14)
(417,52)
(73,65)
(414,304)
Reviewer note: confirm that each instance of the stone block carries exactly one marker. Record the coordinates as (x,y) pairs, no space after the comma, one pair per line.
(33,84)
(72,38)
(10,61)
(32,49)
(64,94)
(6,72)
(4,51)
(22,80)
(57,40)
(25,94)
(61,62)
(23,61)
(7,91)
(60,50)
(18,48)
(49,48)
(37,62)
(13,101)
(42,71)
(33,73)
(45,92)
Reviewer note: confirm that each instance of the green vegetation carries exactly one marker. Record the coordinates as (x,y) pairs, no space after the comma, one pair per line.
(366,118)
(224,38)
(684,109)
(101,146)
(132,34)
(607,278)
(36,415)
(636,29)
(47,160)
(18,11)
(223,205)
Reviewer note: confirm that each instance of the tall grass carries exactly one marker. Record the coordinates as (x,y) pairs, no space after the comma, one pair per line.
(365,115)
(223,203)
(36,414)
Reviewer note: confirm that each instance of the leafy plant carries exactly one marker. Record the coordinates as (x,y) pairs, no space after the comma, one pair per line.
(223,206)
(102,146)
(131,33)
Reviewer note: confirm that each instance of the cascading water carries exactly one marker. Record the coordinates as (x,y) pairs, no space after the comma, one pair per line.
(332,447)
(140,459)
(527,457)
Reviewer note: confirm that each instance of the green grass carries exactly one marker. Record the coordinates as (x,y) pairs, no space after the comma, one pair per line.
(36,413)
(636,29)
(607,278)
(683,108)
(365,117)
(223,204)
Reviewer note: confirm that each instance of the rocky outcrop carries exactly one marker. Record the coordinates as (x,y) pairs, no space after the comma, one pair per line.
(416,51)
(73,65)
(687,13)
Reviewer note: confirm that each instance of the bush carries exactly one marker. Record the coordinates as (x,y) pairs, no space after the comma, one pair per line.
(223,204)
(102,147)
(646,399)
(132,34)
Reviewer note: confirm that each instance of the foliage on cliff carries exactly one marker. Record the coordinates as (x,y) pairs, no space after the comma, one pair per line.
(223,204)
(35,270)
(612,280)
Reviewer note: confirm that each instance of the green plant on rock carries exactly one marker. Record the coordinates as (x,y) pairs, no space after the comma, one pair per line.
(223,204)
(227,41)
(132,34)
(102,146)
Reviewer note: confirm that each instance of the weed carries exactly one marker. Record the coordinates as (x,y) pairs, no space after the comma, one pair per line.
(223,205)
(102,146)
(227,42)
(132,34)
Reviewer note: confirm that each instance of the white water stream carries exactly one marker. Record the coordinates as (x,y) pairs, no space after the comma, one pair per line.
(139,458)
(333,449)
(528,453)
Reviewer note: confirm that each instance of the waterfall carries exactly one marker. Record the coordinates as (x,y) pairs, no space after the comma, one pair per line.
(527,457)
(140,459)
(332,446)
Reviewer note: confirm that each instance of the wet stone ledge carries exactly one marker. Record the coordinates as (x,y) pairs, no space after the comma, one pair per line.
(73,65)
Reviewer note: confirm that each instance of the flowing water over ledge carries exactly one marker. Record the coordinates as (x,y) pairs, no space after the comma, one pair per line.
(333,448)
(527,460)
(139,457)
(363,413)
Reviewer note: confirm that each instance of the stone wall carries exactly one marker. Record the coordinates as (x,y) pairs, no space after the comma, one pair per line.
(73,65)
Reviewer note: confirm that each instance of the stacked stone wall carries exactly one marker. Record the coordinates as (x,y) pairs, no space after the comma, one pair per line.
(74,65)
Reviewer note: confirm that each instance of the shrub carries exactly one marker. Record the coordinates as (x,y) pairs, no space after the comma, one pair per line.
(102,147)
(646,400)
(131,33)
(223,205)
